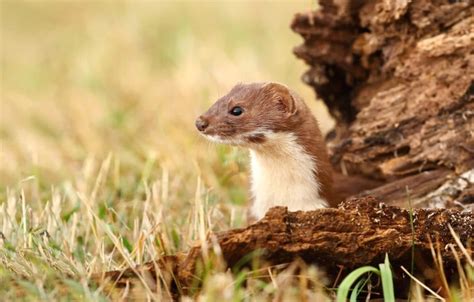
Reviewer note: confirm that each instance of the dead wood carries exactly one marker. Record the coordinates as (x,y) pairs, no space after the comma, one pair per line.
(398,79)
(359,232)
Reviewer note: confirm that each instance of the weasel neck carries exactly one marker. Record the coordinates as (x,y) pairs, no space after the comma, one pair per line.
(284,174)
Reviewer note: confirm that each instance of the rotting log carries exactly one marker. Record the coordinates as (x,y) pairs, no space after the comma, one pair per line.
(360,232)
(398,78)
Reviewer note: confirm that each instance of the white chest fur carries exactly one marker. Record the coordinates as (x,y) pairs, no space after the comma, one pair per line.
(283,175)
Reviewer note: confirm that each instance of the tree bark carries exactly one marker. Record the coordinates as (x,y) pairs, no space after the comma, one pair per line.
(398,78)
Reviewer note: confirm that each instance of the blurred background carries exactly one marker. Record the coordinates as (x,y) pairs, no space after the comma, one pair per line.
(81,80)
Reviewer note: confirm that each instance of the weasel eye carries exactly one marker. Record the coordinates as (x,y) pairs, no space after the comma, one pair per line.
(236,111)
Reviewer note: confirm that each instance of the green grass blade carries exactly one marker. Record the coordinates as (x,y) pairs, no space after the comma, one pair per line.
(355,290)
(346,284)
(387,280)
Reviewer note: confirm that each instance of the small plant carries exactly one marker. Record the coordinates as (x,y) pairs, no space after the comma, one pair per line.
(385,273)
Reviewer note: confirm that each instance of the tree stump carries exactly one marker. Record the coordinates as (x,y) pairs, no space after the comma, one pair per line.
(398,78)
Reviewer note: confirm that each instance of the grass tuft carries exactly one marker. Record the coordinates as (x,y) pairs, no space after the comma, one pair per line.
(354,282)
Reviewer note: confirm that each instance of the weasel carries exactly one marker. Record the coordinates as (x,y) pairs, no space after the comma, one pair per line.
(289,161)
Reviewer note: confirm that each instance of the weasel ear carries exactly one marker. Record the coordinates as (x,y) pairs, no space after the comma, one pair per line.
(282,95)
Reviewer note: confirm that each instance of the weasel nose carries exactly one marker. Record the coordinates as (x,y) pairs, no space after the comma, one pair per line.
(201,124)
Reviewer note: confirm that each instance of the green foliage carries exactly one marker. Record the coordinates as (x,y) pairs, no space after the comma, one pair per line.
(387,280)
(347,285)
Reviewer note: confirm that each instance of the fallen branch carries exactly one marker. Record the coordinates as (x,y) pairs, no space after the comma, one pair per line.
(360,232)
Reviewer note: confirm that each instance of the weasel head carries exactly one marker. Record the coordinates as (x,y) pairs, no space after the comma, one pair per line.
(248,113)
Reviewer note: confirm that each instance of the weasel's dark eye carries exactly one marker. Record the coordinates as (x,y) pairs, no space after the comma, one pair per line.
(236,111)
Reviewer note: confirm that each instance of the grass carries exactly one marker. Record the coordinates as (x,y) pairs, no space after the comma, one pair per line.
(347,285)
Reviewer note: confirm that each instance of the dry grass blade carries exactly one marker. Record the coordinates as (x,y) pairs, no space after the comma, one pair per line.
(461,247)
(438,261)
(463,280)
(423,285)
(120,248)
